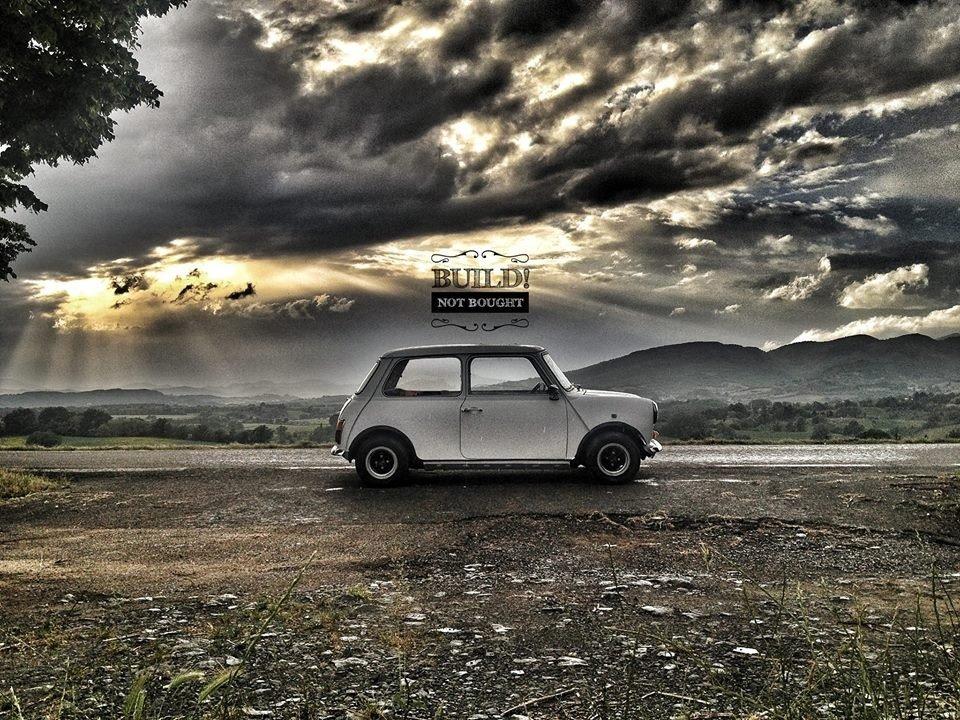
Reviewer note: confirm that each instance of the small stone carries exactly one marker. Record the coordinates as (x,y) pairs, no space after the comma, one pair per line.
(657,609)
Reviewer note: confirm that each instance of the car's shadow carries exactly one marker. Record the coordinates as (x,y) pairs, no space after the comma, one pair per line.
(518,477)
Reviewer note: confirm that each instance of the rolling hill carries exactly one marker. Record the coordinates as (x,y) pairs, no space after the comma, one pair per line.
(858,366)
(852,367)
(119,396)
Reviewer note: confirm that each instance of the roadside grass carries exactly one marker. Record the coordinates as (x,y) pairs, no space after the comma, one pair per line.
(214,692)
(791,655)
(785,650)
(785,656)
(17,483)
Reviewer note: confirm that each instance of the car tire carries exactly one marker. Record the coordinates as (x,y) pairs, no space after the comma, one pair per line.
(613,458)
(382,461)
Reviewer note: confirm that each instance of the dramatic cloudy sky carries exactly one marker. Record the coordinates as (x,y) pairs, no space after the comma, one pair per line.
(752,172)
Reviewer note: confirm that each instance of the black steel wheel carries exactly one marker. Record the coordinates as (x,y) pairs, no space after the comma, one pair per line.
(614,457)
(382,461)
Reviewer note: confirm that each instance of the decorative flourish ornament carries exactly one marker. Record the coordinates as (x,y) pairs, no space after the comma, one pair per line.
(521,258)
(515,322)
(446,322)
(441,258)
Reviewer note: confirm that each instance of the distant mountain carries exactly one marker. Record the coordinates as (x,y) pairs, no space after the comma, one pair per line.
(262,388)
(858,366)
(117,396)
(851,367)
(47,398)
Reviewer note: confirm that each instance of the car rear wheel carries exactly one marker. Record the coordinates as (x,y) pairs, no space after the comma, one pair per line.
(382,461)
(613,458)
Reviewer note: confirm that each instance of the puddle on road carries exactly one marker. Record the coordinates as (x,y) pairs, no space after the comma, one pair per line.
(732,481)
(795,465)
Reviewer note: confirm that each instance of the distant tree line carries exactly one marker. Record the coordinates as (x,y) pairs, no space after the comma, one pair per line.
(46,426)
(885,418)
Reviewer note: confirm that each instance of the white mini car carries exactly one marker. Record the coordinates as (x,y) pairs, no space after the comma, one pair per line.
(457,406)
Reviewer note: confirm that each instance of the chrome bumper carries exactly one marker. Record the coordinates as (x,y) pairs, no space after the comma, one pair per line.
(652,448)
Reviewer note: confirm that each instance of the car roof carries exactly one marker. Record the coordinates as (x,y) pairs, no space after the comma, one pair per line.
(476,349)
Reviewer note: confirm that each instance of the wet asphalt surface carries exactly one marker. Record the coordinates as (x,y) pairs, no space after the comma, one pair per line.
(147,555)
(876,487)
(935,455)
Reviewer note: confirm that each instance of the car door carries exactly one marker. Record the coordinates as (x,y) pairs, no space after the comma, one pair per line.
(421,397)
(508,413)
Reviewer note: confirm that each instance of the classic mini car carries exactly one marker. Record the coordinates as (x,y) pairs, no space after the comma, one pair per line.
(458,406)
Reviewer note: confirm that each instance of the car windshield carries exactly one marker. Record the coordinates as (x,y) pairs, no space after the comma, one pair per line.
(366,379)
(557,372)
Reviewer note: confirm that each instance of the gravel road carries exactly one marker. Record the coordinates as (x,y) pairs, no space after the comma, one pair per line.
(455,581)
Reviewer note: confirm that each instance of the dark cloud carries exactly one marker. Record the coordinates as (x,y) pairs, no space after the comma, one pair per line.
(891,256)
(533,18)
(383,105)
(646,175)
(867,57)
(767,281)
(363,17)
(192,292)
(464,37)
(123,285)
(245,292)
(250,157)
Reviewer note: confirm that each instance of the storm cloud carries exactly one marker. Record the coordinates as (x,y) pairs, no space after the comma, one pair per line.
(266,142)
(798,156)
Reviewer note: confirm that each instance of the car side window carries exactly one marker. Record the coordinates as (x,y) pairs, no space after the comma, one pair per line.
(419,377)
(498,375)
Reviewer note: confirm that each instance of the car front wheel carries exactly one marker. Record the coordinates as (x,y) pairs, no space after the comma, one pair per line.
(382,461)
(613,458)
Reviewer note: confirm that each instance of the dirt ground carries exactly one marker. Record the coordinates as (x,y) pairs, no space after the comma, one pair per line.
(460,595)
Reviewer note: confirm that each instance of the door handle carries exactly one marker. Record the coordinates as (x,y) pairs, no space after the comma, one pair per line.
(471,409)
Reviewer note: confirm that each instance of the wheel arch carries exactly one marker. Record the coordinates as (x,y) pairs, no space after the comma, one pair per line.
(588,439)
(383,430)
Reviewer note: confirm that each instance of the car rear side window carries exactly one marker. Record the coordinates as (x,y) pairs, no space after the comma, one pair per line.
(418,377)
(491,375)
(367,378)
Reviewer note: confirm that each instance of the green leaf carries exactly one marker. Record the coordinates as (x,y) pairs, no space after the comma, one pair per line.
(69,66)
(218,681)
(136,701)
(184,678)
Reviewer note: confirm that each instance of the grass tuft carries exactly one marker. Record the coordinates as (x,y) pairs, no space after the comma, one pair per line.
(17,483)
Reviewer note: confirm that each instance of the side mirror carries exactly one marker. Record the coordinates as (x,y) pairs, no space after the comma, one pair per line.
(554,392)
